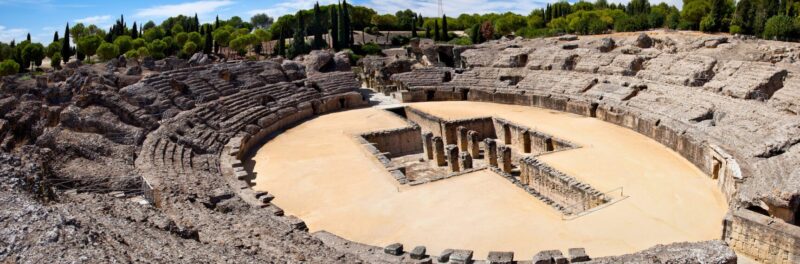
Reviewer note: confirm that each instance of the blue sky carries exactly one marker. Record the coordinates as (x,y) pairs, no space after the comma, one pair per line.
(42,17)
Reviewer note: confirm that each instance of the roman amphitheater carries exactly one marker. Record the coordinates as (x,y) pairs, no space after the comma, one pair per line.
(647,147)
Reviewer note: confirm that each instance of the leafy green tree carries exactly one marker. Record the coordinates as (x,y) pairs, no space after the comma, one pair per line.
(55,60)
(694,11)
(153,34)
(88,45)
(262,20)
(124,43)
(107,51)
(34,53)
(53,48)
(189,48)
(138,43)
(177,28)
(780,28)
(181,38)
(157,49)
(9,67)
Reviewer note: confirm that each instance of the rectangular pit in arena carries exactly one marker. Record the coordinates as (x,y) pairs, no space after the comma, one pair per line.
(432,148)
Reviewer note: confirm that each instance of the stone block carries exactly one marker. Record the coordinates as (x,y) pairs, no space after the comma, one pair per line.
(490,147)
(438,151)
(461,256)
(464,160)
(578,255)
(498,257)
(427,145)
(452,158)
(418,252)
(394,249)
(549,257)
(461,137)
(444,256)
(473,144)
(504,158)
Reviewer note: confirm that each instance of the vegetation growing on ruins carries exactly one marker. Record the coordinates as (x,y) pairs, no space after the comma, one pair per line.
(333,26)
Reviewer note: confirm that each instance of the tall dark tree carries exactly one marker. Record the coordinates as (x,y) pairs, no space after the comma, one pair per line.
(209,43)
(216,23)
(347,37)
(316,28)
(66,50)
(28,37)
(414,27)
(445,35)
(334,35)
(134,31)
(55,36)
(299,40)
(436,30)
(196,25)
(281,42)
(342,34)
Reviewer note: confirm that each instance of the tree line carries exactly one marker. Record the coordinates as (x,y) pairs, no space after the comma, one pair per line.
(334,26)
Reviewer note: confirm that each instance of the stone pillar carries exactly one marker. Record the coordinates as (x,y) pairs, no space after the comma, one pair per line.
(525,141)
(427,145)
(504,158)
(464,160)
(461,137)
(490,151)
(472,144)
(452,158)
(524,172)
(438,151)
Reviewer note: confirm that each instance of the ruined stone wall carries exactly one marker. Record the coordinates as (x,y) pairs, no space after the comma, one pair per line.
(762,238)
(569,193)
(396,142)
(483,125)
(427,122)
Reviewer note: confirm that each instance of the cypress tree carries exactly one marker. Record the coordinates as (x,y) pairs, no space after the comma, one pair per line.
(134,31)
(28,37)
(334,28)
(435,30)
(208,44)
(342,34)
(348,31)
(299,41)
(66,50)
(216,23)
(316,28)
(445,35)
(196,26)
(281,43)
(414,27)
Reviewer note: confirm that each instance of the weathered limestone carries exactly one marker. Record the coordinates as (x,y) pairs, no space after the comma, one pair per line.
(578,255)
(549,257)
(473,146)
(452,158)
(498,257)
(525,141)
(461,256)
(504,158)
(394,249)
(438,151)
(418,252)
(427,145)
(461,135)
(490,146)
(464,160)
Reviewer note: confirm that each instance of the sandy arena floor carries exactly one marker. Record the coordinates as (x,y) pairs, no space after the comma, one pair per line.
(319,173)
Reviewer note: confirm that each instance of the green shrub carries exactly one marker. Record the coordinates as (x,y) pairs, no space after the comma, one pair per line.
(735,30)
(372,49)
(8,67)
(55,60)
(463,41)
(780,28)
(107,51)
(124,43)
(132,54)
(707,24)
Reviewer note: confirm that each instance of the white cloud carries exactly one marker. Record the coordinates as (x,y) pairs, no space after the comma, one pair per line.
(289,7)
(8,34)
(189,8)
(94,20)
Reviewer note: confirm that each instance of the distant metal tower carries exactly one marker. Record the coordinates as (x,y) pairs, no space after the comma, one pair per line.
(441,10)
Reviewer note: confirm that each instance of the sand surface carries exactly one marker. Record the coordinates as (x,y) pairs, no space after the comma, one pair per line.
(318,172)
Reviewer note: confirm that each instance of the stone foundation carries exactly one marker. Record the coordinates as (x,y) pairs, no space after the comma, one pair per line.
(761,237)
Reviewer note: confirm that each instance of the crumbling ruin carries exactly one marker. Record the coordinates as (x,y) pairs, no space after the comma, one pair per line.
(148,161)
